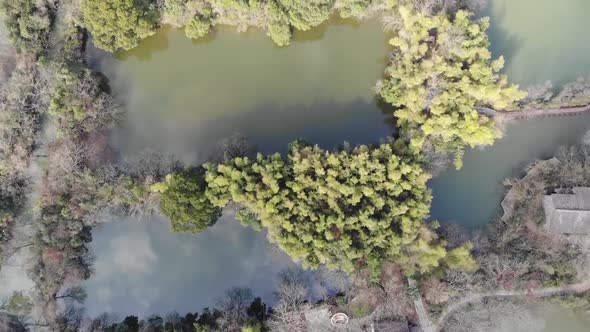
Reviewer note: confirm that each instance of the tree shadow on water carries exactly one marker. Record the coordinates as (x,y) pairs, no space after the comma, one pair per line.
(147,47)
(318,32)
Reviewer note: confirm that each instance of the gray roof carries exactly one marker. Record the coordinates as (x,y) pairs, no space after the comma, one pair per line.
(568,213)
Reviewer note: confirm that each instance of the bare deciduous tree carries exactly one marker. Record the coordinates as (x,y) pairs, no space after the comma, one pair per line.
(538,94)
(287,319)
(573,90)
(494,316)
(74,293)
(233,307)
(236,145)
(151,164)
(291,288)
(434,291)
(99,324)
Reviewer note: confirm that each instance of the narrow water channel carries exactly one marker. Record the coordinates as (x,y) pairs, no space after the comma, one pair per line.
(183,96)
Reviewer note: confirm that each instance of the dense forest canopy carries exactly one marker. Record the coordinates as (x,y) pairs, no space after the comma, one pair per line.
(348,209)
(119,24)
(278,18)
(440,70)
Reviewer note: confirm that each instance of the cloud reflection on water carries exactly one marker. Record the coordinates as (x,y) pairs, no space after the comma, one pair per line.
(143,268)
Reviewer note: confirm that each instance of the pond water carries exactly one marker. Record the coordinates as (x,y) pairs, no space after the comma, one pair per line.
(183,96)
(143,268)
(541,39)
(471,197)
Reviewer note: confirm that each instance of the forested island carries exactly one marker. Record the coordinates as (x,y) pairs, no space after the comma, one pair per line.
(358,215)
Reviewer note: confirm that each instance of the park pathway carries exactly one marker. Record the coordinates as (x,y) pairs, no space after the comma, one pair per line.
(423,320)
(536,293)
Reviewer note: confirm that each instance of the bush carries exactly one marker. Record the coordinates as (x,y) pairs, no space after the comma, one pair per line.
(184,202)
(80,104)
(305,15)
(198,27)
(278,29)
(28,23)
(353,8)
(119,24)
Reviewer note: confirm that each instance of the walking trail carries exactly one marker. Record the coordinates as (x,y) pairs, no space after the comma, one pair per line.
(537,293)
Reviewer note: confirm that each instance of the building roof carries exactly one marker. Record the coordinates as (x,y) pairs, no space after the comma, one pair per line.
(568,213)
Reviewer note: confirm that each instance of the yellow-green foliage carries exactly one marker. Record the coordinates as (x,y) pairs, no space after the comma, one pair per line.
(119,24)
(441,69)
(460,257)
(278,28)
(347,209)
(160,187)
(252,327)
(198,27)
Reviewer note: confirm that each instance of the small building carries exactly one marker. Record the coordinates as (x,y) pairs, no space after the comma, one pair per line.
(568,213)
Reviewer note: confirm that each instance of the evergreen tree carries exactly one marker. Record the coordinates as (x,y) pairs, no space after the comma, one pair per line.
(441,69)
(184,202)
(119,24)
(349,209)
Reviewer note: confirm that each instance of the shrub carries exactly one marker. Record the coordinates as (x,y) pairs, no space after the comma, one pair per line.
(198,27)
(184,202)
(305,15)
(28,23)
(119,24)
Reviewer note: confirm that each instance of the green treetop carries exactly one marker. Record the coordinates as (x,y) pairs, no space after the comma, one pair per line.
(184,202)
(441,69)
(119,24)
(348,209)
(28,23)
(305,15)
